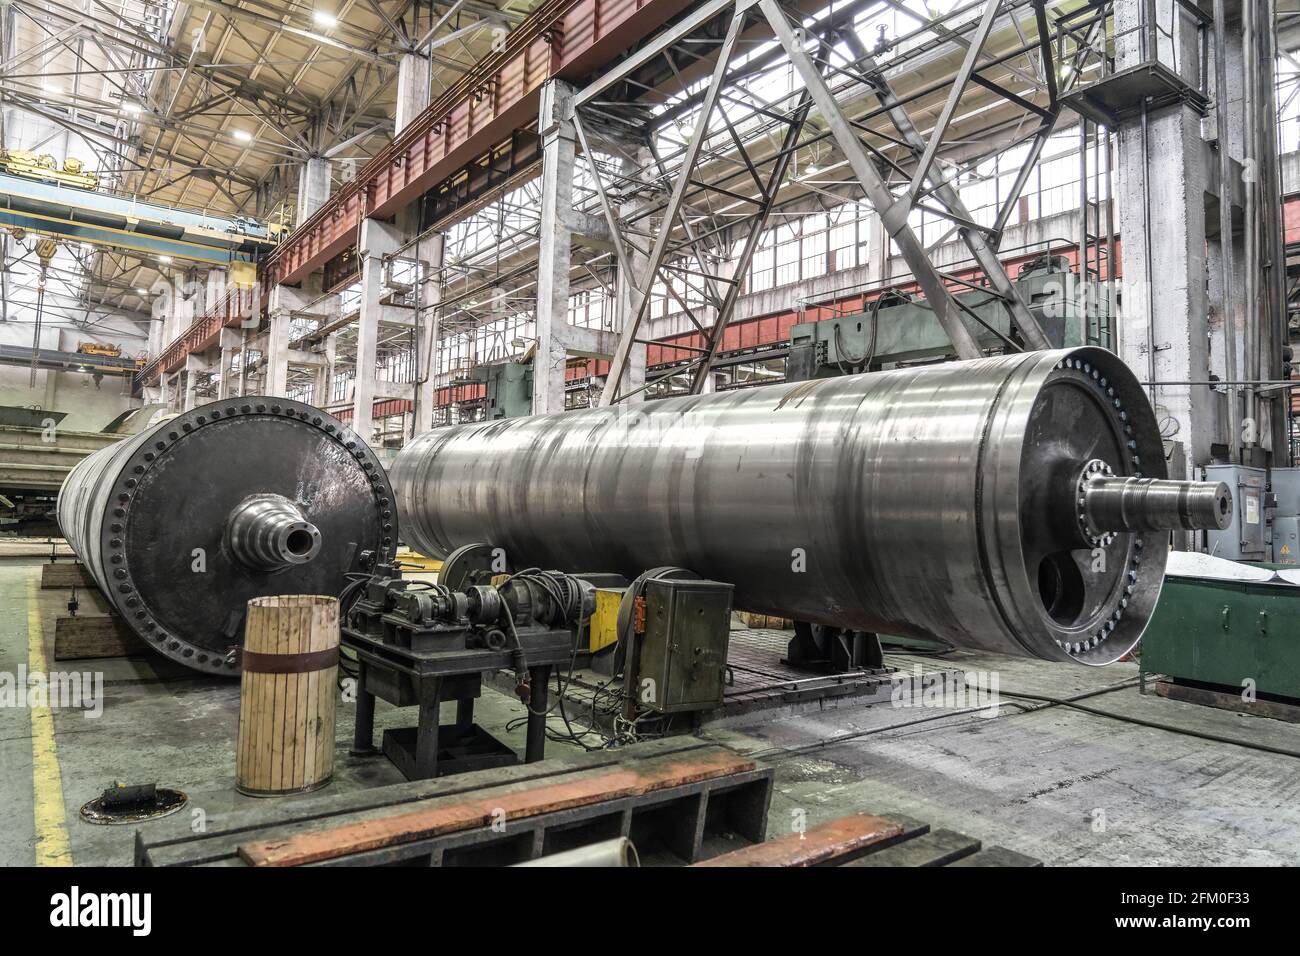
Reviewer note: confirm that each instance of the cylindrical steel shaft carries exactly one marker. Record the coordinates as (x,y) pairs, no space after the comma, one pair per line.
(936,501)
(183,523)
(1154,504)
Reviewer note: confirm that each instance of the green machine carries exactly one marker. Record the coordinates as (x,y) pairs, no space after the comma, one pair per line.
(508,389)
(898,329)
(1225,627)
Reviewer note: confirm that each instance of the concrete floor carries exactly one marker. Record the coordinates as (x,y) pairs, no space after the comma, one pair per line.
(1064,786)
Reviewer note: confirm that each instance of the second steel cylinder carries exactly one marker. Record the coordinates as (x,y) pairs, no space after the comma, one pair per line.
(932,501)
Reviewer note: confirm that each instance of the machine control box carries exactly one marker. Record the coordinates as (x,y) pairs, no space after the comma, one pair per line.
(683,650)
(1247,538)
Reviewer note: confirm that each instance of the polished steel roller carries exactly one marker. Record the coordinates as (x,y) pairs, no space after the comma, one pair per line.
(182,524)
(1016,504)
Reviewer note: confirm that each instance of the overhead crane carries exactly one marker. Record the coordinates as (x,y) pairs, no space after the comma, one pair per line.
(40,197)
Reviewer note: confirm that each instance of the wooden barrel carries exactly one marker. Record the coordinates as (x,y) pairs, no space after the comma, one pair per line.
(287,694)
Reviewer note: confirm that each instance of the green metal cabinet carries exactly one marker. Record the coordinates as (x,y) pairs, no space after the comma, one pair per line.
(1226,632)
(684,648)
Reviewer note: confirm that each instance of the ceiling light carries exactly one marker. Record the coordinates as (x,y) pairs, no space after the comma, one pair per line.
(131,106)
(164,259)
(51,88)
(940,8)
(812,170)
(141,291)
(324,18)
(243,135)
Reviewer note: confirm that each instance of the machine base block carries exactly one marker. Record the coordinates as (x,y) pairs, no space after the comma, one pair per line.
(460,750)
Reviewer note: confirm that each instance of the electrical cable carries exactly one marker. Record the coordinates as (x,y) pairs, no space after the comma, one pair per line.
(841,353)
(779,753)
(1157,725)
(1072,702)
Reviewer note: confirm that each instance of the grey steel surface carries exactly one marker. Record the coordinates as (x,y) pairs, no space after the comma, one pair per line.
(928,502)
(1285,485)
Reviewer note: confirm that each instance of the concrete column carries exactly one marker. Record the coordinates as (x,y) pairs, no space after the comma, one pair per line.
(195,365)
(166,389)
(1231,405)
(634,376)
(555,124)
(227,384)
(275,360)
(378,239)
(626,297)
(324,382)
(561,224)
(177,319)
(412,89)
(283,303)
(157,333)
(313,186)
(1163,176)
(430,320)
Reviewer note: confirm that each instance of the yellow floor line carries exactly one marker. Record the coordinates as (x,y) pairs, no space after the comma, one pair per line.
(52,847)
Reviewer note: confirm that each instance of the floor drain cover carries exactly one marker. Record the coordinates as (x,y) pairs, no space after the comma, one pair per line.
(121,804)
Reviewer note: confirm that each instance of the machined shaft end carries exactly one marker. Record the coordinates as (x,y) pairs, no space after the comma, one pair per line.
(270,531)
(1108,503)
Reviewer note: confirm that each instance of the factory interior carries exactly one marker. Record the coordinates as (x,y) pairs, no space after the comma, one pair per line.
(651,433)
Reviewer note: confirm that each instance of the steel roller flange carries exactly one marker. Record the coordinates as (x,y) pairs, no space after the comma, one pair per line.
(182,525)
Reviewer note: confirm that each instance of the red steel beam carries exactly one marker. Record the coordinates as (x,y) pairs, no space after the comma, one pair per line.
(563,38)
(383,408)
(236,306)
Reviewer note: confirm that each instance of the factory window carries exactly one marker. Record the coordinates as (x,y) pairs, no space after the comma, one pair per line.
(813,251)
(787,254)
(591,309)
(843,238)
(762,266)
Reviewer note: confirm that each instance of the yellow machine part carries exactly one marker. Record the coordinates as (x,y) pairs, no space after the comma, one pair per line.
(21,162)
(243,274)
(417,561)
(603,627)
(98,348)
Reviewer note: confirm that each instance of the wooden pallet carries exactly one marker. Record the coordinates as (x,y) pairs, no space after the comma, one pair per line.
(679,801)
(864,840)
(68,574)
(94,635)
(1225,700)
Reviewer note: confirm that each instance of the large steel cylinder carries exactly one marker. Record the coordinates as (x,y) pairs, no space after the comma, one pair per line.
(979,502)
(181,525)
